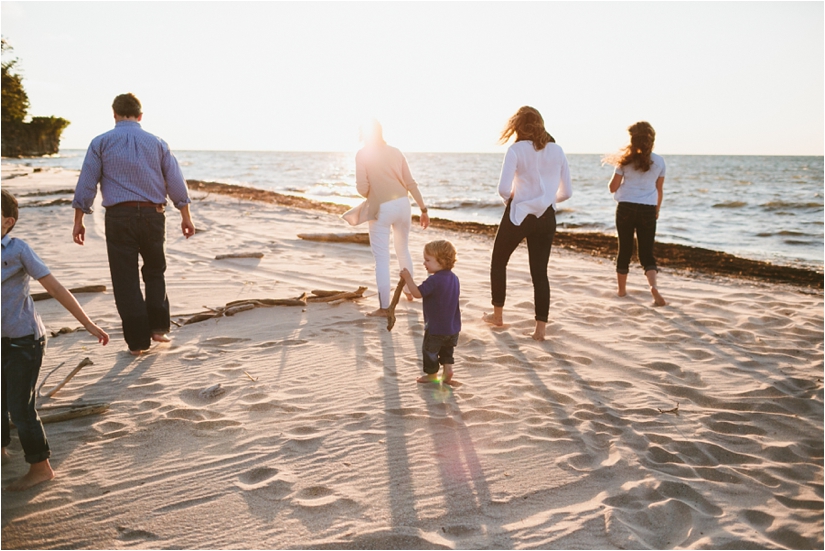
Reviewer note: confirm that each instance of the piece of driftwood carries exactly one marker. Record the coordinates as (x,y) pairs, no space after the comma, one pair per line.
(359,238)
(346,295)
(239,308)
(250,376)
(73,412)
(65,330)
(83,363)
(395,298)
(322,293)
(239,255)
(674,410)
(74,291)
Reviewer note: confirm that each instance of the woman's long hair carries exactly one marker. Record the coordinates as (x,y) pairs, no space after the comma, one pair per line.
(527,124)
(637,153)
(371,133)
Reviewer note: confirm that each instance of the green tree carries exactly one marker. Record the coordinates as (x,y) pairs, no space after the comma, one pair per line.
(15,101)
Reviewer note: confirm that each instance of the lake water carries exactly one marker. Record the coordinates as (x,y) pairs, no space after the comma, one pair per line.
(759,207)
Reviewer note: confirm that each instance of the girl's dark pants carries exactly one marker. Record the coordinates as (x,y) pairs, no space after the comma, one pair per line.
(539,233)
(133,232)
(21,362)
(641,219)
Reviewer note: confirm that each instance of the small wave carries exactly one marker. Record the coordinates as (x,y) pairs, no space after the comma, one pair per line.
(787,205)
(730,205)
(783,233)
(799,242)
(460,205)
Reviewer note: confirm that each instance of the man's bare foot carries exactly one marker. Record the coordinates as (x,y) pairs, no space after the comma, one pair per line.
(161,337)
(380,313)
(492,319)
(38,472)
(658,299)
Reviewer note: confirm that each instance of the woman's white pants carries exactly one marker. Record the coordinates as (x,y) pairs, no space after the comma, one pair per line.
(395,214)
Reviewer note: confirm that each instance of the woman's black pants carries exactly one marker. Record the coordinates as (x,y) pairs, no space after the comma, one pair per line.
(539,233)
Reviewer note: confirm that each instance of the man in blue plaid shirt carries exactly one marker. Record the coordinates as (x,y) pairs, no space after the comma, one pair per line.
(136,172)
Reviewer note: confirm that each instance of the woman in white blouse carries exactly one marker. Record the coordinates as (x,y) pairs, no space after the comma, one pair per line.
(383,177)
(534,177)
(638,187)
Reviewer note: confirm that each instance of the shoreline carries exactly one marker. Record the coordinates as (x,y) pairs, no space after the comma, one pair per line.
(685,258)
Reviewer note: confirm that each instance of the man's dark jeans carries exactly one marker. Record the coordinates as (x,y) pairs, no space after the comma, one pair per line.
(641,219)
(22,358)
(437,350)
(539,233)
(133,232)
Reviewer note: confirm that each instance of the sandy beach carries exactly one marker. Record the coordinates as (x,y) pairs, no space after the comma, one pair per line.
(694,425)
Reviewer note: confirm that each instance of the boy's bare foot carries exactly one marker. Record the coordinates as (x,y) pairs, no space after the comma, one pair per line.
(447,374)
(492,319)
(428,378)
(161,337)
(380,313)
(658,299)
(38,472)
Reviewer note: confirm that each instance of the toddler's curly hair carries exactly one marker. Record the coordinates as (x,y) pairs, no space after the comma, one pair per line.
(443,251)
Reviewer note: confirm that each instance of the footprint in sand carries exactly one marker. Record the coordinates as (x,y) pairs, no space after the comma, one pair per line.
(266,482)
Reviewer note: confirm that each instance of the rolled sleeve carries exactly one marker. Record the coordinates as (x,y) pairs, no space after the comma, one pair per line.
(172,175)
(565,190)
(90,175)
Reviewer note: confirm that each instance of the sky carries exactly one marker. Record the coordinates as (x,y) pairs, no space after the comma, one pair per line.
(724,78)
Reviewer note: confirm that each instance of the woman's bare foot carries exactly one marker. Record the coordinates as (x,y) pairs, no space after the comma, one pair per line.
(621,281)
(380,313)
(428,378)
(658,299)
(539,333)
(161,337)
(38,472)
(492,319)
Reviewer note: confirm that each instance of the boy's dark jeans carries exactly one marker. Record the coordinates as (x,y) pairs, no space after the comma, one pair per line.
(539,233)
(133,232)
(641,219)
(437,350)
(21,362)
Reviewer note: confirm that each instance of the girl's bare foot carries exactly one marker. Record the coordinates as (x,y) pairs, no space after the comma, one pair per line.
(161,337)
(658,299)
(380,313)
(38,472)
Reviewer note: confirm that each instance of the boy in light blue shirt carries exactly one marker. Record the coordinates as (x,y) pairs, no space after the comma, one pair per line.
(23,339)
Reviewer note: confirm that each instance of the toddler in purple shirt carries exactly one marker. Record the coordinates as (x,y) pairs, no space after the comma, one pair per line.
(442,316)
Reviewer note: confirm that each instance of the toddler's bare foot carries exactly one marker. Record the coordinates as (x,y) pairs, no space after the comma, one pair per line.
(161,337)
(447,374)
(492,319)
(658,299)
(428,378)
(38,472)
(380,313)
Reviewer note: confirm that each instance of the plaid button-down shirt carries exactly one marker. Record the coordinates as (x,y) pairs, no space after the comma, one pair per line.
(131,165)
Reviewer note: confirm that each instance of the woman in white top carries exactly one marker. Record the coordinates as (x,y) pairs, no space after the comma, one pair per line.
(534,177)
(637,185)
(383,177)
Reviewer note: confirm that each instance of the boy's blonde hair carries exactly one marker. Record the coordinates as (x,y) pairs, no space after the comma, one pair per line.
(443,251)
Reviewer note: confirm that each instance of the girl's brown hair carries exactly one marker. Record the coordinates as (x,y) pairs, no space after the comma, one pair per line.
(527,124)
(637,153)
(443,251)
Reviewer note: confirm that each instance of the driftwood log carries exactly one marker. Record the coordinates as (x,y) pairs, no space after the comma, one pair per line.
(359,238)
(338,296)
(395,298)
(83,363)
(74,291)
(239,255)
(72,411)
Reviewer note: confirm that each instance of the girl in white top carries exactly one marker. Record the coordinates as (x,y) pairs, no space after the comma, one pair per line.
(383,177)
(638,187)
(534,177)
